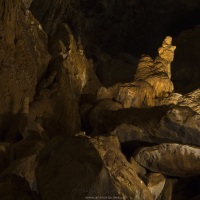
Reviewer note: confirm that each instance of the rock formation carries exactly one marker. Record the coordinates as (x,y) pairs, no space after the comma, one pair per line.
(152,80)
(82,116)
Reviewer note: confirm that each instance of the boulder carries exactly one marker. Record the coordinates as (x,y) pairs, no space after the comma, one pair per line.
(25,168)
(172,99)
(155,182)
(137,94)
(175,124)
(141,171)
(24,127)
(85,168)
(191,100)
(96,112)
(131,133)
(14,187)
(170,159)
(179,125)
(25,148)
(167,190)
(4,155)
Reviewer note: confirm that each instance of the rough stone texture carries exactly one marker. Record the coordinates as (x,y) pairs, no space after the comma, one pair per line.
(93,84)
(191,100)
(25,168)
(103,93)
(167,191)
(181,124)
(137,94)
(170,159)
(155,182)
(152,79)
(24,58)
(141,171)
(14,187)
(173,98)
(96,168)
(48,66)
(64,82)
(4,155)
(129,132)
(26,148)
(177,125)
(24,127)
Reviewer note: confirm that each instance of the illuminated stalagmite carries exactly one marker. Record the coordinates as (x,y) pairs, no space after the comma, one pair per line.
(152,79)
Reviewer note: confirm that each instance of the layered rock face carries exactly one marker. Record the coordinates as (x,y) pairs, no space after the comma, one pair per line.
(81,117)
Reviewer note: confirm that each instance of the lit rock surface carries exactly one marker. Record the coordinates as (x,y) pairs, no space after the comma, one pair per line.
(141,171)
(87,167)
(191,100)
(177,125)
(170,159)
(152,79)
(23,58)
(181,125)
(167,191)
(155,183)
(62,87)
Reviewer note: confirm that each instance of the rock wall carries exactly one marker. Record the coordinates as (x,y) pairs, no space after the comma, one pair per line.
(24,58)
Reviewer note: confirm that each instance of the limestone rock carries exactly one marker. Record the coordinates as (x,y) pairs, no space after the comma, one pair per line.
(137,94)
(173,98)
(53,107)
(68,74)
(145,67)
(129,132)
(25,127)
(177,124)
(94,116)
(99,170)
(14,187)
(25,168)
(103,93)
(180,125)
(141,171)
(92,84)
(167,191)
(4,155)
(24,58)
(191,100)
(155,183)
(158,73)
(25,148)
(170,159)
(152,79)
